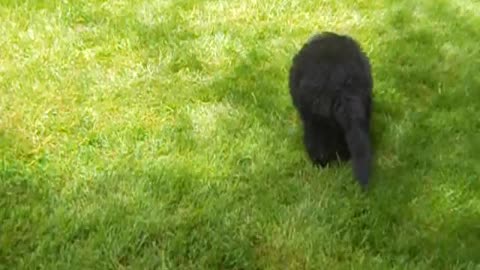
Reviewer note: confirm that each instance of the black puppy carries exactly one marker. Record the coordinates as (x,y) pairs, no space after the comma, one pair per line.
(331,86)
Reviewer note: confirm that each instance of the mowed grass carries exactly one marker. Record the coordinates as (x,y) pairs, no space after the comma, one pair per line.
(160,135)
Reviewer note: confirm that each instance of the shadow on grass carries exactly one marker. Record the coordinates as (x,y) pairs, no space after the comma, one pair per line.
(405,218)
(431,117)
(436,116)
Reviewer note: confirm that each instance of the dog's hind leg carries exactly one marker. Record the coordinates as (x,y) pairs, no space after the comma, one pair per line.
(317,139)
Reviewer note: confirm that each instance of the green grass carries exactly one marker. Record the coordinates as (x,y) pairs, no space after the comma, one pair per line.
(160,135)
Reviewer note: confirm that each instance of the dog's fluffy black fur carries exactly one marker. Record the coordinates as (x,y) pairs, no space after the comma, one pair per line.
(331,85)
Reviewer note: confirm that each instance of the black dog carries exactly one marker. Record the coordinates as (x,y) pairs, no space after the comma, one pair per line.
(331,86)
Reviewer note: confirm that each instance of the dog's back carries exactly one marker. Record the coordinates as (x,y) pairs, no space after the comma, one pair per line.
(326,64)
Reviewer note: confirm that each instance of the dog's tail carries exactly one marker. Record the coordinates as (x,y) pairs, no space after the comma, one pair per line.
(359,145)
(351,114)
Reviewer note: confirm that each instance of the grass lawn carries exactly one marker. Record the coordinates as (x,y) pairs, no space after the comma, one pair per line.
(160,134)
